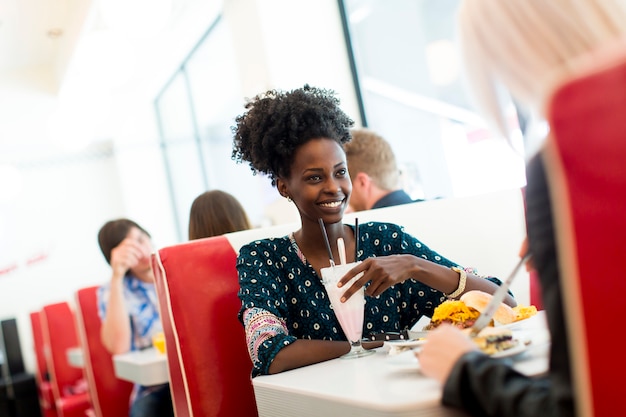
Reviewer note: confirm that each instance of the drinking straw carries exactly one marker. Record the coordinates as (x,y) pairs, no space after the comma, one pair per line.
(330,252)
(341,248)
(356,238)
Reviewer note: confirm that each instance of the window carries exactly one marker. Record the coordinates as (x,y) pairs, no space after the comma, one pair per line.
(409,76)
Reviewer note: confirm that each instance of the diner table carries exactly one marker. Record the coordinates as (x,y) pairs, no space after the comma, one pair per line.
(144,367)
(381,384)
(75,357)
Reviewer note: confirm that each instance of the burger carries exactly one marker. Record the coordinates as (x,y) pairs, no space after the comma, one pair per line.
(494,339)
(463,313)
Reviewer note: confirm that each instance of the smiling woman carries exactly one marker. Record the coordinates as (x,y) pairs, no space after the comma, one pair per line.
(296,138)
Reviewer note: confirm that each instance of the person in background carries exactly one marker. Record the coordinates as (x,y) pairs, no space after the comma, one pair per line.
(214,213)
(128,306)
(528,47)
(297,138)
(373,171)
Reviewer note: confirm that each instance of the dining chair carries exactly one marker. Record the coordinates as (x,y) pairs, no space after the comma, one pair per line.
(110,396)
(586,155)
(209,365)
(46,400)
(71,399)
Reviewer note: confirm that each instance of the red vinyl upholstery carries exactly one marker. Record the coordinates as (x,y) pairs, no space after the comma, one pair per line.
(110,396)
(59,334)
(208,360)
(587,167)
(46,400)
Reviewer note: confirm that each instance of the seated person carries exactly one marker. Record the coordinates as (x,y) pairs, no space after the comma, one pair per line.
(128,306)
(285,310)
(374,172)
(214,213)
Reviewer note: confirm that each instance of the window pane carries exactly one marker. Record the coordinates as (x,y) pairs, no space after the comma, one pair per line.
(411,83)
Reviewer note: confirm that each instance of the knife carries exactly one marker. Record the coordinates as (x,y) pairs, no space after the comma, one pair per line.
(485,317)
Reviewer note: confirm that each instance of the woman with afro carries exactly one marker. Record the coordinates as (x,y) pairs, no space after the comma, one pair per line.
(296,138)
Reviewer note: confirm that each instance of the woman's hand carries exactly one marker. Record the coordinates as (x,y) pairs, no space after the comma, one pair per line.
(125,256)
(443,348)
(381,272)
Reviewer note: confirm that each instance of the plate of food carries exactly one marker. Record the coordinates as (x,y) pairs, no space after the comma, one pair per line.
(499,342)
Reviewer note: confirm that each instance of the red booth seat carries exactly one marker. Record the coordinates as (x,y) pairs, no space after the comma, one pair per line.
(585,162)
(110,396)
(208,360)
(68,386)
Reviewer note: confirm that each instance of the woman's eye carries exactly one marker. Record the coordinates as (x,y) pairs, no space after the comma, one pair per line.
(342,172)
(314,178)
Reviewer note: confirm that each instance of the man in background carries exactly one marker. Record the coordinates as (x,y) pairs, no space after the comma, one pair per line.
(374,172)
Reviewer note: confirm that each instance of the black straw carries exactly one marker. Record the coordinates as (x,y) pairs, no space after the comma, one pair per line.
(356,239)
(330,252)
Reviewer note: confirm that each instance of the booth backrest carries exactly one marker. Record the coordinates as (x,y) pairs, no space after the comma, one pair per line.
(59,331)
(586,154)
(46,399)
(484,231)
(110,396)
(209,364)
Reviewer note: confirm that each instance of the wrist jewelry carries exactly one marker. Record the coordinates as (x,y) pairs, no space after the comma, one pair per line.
(462,282)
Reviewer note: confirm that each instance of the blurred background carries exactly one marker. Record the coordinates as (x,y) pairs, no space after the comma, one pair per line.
(124,108)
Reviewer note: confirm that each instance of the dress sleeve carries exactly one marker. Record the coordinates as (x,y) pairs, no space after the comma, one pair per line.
(484,386)
(263,303)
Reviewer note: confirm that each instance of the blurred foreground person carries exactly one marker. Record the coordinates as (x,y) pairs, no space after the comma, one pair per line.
(529,47)
(214,213)
(128,306)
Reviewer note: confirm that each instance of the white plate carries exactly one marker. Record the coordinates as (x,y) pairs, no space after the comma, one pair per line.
(515,350)
(404,361)
(405,343)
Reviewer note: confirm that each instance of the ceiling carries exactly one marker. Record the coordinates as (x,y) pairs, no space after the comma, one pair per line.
(53,54)
(33,32)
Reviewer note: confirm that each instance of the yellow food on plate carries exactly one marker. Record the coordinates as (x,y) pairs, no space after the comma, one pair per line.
(455,312)
(523,312)
(463,312)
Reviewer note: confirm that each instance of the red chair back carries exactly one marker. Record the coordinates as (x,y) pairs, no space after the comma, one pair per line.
(46,399)
(59,334)
(210,369)
(586,162)
(110,396)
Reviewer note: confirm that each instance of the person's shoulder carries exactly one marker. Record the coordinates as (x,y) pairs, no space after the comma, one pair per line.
(381,227)
(266,243)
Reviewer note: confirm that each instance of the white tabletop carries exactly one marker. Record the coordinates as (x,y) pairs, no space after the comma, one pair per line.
(144,367)
(377,385)
(75,357)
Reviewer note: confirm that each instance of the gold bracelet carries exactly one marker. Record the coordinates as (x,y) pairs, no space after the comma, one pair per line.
(462,282)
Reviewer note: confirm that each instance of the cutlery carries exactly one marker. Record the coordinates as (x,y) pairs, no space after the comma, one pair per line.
(485,317)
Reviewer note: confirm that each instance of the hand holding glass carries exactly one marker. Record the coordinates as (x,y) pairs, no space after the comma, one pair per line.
(351,313)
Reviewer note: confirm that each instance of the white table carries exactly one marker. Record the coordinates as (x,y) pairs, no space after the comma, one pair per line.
(144,367)
(376,385)
(75,357)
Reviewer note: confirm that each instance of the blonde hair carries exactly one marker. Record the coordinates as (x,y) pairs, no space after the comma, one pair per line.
(370,153)
(529,45)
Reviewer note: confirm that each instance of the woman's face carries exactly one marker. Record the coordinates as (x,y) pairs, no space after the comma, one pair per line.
(318,184)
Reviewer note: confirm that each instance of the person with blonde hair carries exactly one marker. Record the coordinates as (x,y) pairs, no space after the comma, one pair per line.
(214,213)
(528,48)
(373,171)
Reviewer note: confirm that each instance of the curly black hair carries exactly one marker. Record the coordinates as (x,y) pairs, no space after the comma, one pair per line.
(277,123)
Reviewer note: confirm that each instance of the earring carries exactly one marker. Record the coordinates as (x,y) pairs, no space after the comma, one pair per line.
(289,199)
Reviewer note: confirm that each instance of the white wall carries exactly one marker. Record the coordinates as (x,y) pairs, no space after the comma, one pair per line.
(49,231)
